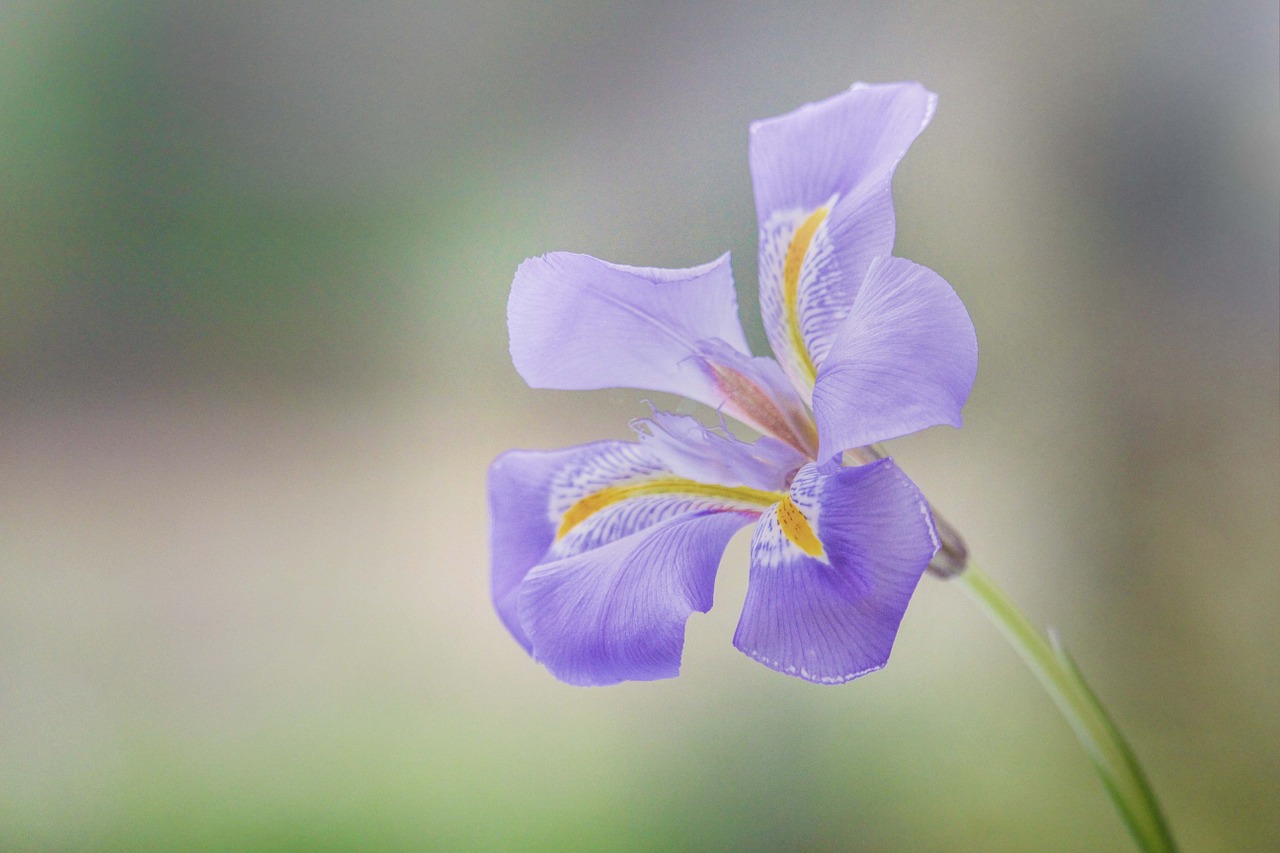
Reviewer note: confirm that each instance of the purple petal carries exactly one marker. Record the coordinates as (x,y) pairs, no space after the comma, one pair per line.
(585,534)
(905,359)
(618,613)
(831,575)
(520,529)
(822,182)
(612,490)
(802,158)
(580,323)
(531,490)
(691,450)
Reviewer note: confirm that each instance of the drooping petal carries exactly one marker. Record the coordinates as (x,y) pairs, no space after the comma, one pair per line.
(570,525)
(904,359)
(618,612)
(520,529)
(823,203)
(695,452)
(579,323)
(613,489)
(532,491)
(833,567)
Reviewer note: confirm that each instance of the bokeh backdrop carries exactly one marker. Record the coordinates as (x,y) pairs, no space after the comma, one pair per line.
(253,267)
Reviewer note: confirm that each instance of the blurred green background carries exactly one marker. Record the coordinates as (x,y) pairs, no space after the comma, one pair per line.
(253,266)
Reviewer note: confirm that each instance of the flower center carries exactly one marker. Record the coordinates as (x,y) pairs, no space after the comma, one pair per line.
(752,404)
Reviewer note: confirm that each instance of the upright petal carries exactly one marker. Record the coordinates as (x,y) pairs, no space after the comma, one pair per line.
(833,567)
(587,535)
(904,359)
(822,183)
(579,323)
(618,613)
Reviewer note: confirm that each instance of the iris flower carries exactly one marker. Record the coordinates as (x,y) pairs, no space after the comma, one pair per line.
(601,552)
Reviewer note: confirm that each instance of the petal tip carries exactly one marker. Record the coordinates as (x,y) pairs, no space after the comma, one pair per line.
(804,673)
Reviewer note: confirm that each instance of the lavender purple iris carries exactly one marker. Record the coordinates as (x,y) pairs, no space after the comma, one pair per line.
(602,551)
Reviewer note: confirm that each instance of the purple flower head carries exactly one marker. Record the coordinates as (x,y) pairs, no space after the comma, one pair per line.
(601,552)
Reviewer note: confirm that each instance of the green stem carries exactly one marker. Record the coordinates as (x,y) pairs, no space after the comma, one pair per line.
(1060,677)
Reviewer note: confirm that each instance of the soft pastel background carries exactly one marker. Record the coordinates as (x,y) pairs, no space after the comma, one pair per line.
(253,266)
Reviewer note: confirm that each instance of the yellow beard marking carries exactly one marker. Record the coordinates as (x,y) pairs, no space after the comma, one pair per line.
(741,496)
(796,528)
(791,267)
